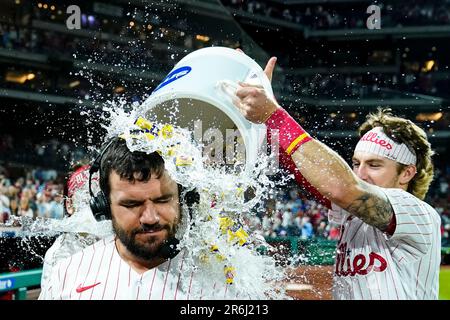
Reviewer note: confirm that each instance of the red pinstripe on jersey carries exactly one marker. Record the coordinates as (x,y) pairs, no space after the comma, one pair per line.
(117,282)
(428,272)
(190,285)
(78,269)
(129,275)
(165,280)
(90,264)
(65,273)
(225,293)
(179,275)
(98,271)
(392,277)
(151,287)
(139,287)
(107,275)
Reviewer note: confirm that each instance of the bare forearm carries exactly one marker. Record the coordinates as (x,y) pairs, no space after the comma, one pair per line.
(325,170)
(332,177)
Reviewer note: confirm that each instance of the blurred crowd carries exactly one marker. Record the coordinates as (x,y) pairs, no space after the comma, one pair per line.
(119,41)
(34,195)
(148,50)
(373,85)
(292,214)
(394,14)
(52,153)
(32,176)
(135,55)
(141,55)
(70,48)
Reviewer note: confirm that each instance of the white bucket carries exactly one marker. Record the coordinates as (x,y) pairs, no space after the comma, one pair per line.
(201,86)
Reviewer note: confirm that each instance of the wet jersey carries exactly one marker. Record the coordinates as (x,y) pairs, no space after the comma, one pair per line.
(99,273)
(371,264)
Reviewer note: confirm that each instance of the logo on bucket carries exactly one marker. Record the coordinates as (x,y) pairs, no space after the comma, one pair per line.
(174,75)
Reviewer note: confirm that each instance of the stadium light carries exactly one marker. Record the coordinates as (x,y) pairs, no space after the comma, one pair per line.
(202,38)
(19,77)
(119,89)
(428,66)
(435,116)
(74,84)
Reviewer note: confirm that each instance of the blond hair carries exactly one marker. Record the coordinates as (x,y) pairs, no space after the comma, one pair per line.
(405,131)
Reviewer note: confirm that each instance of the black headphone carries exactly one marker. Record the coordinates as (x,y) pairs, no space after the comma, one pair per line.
(101,210)
(99,203)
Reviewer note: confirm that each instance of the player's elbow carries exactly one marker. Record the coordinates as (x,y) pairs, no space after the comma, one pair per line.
(344,194)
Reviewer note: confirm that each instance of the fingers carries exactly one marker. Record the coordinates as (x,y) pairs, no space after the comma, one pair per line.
(245,97)
(242,107)
(245,84)
(270,66)
(239,50)
(247,91)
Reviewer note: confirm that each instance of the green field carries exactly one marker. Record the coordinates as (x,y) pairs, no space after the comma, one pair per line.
(444,283)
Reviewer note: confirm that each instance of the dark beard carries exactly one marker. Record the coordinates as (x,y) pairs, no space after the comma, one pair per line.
(152,247)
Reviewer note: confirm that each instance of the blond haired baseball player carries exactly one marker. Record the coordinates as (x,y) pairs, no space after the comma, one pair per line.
(390,243)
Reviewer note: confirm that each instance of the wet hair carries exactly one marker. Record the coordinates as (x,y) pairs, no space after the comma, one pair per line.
(131,166)
(405,131)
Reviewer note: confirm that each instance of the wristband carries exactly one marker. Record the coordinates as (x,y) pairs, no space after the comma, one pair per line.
(291,134)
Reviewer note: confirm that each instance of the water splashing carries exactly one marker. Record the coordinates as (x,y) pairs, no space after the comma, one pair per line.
(216,240)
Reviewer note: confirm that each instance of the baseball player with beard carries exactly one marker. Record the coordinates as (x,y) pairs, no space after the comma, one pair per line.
(389,247)
(140,261)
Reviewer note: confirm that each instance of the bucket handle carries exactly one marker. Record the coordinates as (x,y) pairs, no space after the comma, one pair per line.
(228,88)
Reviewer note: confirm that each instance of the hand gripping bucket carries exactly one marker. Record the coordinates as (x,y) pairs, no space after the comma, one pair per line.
(201,86)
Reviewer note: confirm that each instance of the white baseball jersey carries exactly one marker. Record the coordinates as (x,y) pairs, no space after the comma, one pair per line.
(64,246)
(373,265)
(99,273)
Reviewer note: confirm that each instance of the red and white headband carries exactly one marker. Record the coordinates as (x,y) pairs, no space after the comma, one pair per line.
(377,142)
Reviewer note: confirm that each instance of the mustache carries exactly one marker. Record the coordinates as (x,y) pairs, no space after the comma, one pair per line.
(151,228)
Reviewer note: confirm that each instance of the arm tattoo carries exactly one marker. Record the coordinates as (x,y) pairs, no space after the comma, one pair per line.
(373,208)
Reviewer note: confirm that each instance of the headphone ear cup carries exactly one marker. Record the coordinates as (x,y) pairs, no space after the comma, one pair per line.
(105,205)
(192,197)
(100,207)
(93,203)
